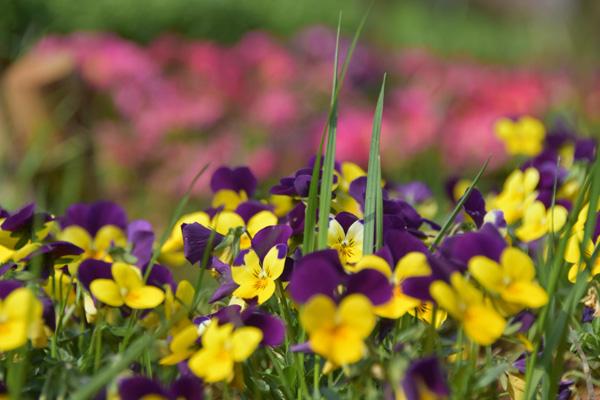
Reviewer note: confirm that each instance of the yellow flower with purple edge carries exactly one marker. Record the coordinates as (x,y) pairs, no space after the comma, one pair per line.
(513,279)
(222,347)
(338,332)
(524,136)
(465,303)
(126,288)
(256,278)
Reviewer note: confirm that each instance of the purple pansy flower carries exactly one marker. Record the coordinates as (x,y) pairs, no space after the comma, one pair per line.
(425,374)
(138,387)
(196,238)
(94,216)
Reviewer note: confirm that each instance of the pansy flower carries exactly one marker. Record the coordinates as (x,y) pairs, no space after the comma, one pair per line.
(256,277)
(172,251)
(337,332)
(232,186)
(512,280)
(518,193)
(418,195)
(574,245)
(521,136)
(345,234)
(126,287)
(20,312)
(464,302)
(538,221)
(222,347)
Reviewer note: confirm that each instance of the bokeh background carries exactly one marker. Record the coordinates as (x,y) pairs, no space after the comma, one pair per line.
(128,100)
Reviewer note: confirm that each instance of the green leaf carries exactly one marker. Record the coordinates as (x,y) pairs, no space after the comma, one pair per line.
(373,196)
(442,233)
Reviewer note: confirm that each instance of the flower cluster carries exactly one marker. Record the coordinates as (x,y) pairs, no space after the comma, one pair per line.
(232,299)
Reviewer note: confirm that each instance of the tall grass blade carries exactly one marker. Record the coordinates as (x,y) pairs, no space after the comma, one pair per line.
(373,195)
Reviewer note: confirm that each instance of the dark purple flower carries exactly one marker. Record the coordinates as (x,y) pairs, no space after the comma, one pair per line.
(48,314)
(346,219)
(269,237)
(94,216)
(370,283)
(564,390)
(226,283)
(196,239)
(425,374)
(160,276)
(296,218)
(588,314)
(248,209)
(237,179)
(52,254)
(273,328)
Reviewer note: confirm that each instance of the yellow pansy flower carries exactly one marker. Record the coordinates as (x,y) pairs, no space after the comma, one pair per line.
(524,136)
(537,221)
(20,313)
(349,245)
(464,302)
(518,193)
(126,288)
(256,279)
(338,332)
(513,280)
(222,347)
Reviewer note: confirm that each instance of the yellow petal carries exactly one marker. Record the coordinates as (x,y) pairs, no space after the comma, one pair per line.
(185,293)
(557,216)
(445,297)
(483,324)
(127,276)
(144,297)
(212,366)
(273,264)
(229,199)
(176,358)
(226,220)
(347,347)
(265,292)
(517,265)
(22,303)
(411,265)
(185,339)
(318,313)
(259,221)
(487,272)
(107,291)
(216,335)
(13,334)
(374,262)
(76,235)
(109,235)
(356,313)
(465,289)
(335,233)
(528,294)
(244,341)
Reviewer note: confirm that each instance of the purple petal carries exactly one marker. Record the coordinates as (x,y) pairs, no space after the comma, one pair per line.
(94,216)
(371,283)
(486,242)
(418,287)
(474,205)
(400,243)
(301,348)
(187,387)
(236,179)
(346,219)
(248,209)
(585,149)
(196,239)
(6,287)
(358,189)
(429,372)
(136,387)
(160,276)
(269,237)
(91,269)
(272,327)
(141,235)
(316,273)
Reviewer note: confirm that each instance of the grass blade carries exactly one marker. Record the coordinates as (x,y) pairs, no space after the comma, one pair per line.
(373,195)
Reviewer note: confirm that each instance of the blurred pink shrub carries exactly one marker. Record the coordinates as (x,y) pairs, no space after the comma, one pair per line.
(178,104)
